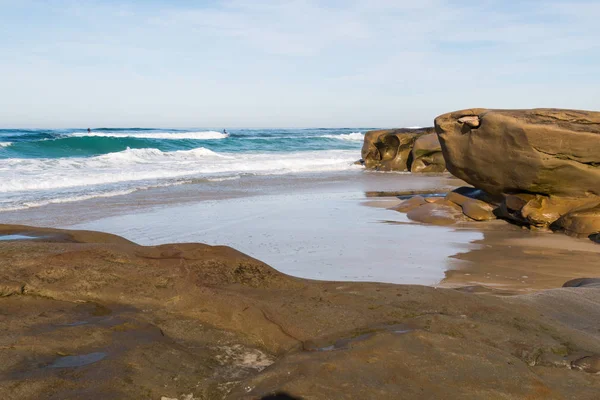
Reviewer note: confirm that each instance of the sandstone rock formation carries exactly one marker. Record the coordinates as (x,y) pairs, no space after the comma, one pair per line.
(463,204)
(415,150)
(545,151)
(90,315)
(544,164)
(426,154)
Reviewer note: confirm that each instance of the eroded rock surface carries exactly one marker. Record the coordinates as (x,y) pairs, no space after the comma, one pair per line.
(92,315)
(544,163)
(544,151)
(415,150)
(95,316)
(426,154)
(463,204)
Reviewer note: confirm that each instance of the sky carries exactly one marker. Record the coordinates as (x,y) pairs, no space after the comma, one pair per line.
(262,63)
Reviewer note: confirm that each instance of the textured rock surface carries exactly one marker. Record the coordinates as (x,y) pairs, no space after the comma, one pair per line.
(580,223)
(442,212)
(90,315)
(463,204)
(411,203)
(545,151)
(427,154)
(415,150)
(545,162)
(473,208)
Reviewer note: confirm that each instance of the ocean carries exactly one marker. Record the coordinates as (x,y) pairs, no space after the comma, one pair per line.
(40,167)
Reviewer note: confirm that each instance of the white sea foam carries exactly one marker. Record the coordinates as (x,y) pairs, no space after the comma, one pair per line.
(225,178)
(5,144)
(206,135)
(69,199)
(131,167)
(353,137)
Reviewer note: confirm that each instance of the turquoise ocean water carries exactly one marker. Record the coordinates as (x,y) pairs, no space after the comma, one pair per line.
(39,167)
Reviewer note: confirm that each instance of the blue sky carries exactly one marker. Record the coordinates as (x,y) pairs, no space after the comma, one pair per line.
(243,63)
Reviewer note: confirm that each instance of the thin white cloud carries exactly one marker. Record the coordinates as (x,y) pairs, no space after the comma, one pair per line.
(364,62)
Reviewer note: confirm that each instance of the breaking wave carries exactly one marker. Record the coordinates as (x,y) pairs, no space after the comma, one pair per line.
(134,165)
(205,135)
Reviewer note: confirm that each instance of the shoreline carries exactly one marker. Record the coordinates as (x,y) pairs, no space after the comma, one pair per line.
(261,216)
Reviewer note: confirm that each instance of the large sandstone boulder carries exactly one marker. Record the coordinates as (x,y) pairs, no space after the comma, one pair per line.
(545,163)
(545,151)
(415,150)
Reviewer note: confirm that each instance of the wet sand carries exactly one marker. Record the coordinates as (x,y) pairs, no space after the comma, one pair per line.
(334,227)
(63,214)
(515,260)
(318,231)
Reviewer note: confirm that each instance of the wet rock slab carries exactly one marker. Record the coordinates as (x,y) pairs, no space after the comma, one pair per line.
(97,316)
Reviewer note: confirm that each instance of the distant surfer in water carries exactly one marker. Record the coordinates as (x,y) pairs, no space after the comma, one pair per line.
(224,131)
(89,130)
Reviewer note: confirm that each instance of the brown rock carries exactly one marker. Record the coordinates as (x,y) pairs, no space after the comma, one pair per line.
(545,151)
(515,202)
(434,199)
(478,210)
(583,282)
(457,198)
(472,208)
(590,364)
(390,149)
(411,203)
(542,211)
(95,316)
(580,223)
(546,161)
(441,213)
(427,154)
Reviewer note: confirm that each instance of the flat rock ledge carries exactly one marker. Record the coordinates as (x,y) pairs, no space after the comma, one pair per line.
(414,150)
(91,315)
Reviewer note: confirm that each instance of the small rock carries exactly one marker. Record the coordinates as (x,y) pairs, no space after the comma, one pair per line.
(441,213)
(472,121)
(411,203)
(590,364)
(580,223)
(583,282)
(473,208)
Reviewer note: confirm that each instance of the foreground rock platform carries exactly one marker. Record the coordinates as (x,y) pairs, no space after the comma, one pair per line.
(87,314)
(406,149)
